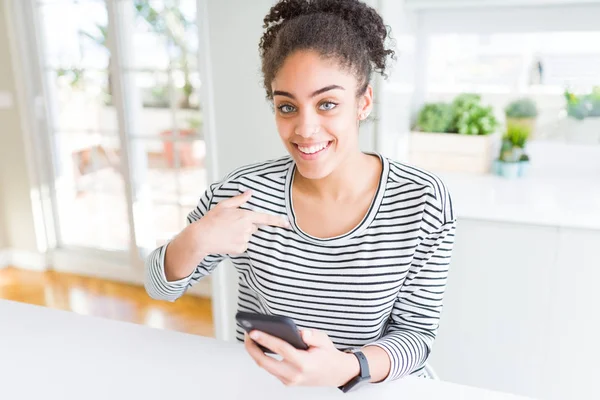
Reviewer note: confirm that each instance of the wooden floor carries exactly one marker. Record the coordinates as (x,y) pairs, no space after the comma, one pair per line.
(107,299)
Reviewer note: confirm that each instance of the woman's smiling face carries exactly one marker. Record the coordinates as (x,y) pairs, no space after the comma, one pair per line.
(317,112)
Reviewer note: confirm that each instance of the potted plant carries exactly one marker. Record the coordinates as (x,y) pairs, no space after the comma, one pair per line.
(522,111)
(507,164)
(524,164)
(583,112)
(518,135)
(454,137)
(513,161)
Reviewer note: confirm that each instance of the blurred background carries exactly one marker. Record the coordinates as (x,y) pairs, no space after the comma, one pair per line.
(116,114)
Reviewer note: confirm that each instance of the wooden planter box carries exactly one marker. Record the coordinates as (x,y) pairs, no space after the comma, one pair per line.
(450,152)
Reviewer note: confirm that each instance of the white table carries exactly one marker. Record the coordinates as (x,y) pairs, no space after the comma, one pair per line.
(52,354)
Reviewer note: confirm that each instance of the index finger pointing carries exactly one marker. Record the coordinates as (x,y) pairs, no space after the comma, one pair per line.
(235,201)
(259,218)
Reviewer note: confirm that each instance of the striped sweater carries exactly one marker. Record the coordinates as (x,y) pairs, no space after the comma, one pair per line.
(380,284)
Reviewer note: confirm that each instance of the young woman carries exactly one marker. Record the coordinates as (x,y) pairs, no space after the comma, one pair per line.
(352,246)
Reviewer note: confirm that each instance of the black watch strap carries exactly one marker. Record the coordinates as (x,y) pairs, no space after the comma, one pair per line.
(363,375)
(364,364)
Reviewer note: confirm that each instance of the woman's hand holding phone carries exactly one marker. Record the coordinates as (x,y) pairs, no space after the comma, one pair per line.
(321,365)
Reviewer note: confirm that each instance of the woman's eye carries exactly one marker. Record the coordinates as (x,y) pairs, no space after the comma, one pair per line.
(328,105)
(286,108)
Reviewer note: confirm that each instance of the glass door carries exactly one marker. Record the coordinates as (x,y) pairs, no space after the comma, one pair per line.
(157,43)
(126,153)
(90,206)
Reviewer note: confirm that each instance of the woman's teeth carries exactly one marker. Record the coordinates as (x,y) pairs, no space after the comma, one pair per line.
(313,149)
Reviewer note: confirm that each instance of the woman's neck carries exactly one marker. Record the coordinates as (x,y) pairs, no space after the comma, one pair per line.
(352,177)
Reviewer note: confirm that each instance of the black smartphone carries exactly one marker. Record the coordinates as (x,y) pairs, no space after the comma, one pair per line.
(275,325)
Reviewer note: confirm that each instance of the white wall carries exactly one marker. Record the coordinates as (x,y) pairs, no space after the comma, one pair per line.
(243,119)
(16,217)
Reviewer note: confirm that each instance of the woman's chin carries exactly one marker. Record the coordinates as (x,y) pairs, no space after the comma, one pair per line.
(313,172)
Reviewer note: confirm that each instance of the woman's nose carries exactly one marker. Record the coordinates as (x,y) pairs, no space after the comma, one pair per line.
(307,131)
(308,125)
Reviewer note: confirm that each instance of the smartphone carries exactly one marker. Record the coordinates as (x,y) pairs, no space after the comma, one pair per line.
(275,325)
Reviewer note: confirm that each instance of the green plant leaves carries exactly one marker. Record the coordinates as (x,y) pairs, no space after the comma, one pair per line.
(583,106)
(435,117)
(521,108)
(465,115)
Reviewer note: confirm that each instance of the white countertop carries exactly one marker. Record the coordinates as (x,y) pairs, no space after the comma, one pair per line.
(570,202)
(52,354)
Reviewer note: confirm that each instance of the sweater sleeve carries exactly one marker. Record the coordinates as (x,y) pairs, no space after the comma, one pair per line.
(155,281)
(414,319)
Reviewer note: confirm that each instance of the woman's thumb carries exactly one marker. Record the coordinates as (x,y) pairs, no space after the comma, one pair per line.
(311,338)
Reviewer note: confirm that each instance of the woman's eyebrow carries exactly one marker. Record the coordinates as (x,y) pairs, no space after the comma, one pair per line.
(326,89)
(315,93)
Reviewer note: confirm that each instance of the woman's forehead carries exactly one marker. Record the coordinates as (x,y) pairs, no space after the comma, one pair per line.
(303,73)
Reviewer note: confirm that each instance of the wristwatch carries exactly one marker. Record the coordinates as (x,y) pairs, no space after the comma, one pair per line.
(364,376)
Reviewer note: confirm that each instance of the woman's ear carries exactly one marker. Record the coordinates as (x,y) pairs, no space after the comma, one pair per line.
(365,103)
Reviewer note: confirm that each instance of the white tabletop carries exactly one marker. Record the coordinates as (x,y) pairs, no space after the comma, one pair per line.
(52,354)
